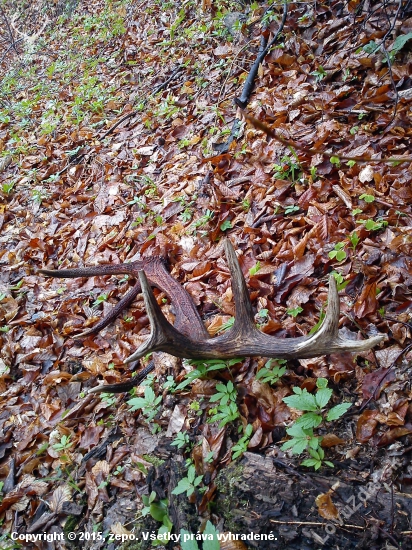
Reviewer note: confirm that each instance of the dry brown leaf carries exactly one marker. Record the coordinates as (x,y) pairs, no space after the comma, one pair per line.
(60,495)
(326,508)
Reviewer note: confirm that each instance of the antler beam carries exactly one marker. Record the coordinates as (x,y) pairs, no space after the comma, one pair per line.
(189,338)
(244,339)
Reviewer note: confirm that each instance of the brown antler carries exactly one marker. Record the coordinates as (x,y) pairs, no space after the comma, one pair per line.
(188,337)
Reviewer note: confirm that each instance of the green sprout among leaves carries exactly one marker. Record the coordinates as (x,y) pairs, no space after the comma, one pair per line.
(241,446)
(226,410)
(181,440)
(227,224)
(159,512)
(64,444)
(372,225)
(294,312)
(367,198)
(338,253)
(100,299)
(210,542)
(302,429)
(319,74)
(150,404)
(253,270)
(188,484)
(272,371)
(204,367)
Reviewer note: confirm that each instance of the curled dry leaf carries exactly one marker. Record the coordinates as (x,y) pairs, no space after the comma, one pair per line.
(231,544)
(392,435)
(176,420)
(326,508)
(119,529)
(366,426)
(330,440)
(374,382)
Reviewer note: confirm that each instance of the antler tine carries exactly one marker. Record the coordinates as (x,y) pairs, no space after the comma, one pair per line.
(327,339)
(111,316)
(91,271)
(244,321)
(163,335)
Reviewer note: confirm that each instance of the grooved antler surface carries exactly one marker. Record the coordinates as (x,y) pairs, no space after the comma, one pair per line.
(189,338)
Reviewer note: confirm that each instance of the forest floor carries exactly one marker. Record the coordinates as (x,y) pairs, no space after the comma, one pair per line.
(122,137)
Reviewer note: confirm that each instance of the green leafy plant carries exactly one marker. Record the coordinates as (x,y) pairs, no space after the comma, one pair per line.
(319,74)
(158,509)
(338,253)
(149,404)
(291,209)
(367,198)
(203,220)
(272,371)
(39,195)
(246,205)
(313,406)
(227,409)
(169,384)
(204,367)
(340,280)
(189,483)
(181,440)
(108,398)
(399,43)
(227,224)
(253,270)
(225,326)
(8,186)
(64,444)
(290,168)
(372,225)
(100,299)
(210,539)
(354,239)
(294,312)
(241,446)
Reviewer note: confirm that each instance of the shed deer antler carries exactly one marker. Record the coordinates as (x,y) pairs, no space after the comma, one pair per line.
(189,338)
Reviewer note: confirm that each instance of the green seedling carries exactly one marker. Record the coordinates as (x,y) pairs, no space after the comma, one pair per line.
(338,253)
(301,430)
(181,440)
(204,367)
(226,410)
(100,299)
(367,198)
(227,224)
(272,371)
(372,225)
(64,444)
(241,446)
(253,270)
(291,209)
(149,404)
(188,484)
(188,541)
(294,312)
(158,510)
(229,324)
(319,74)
